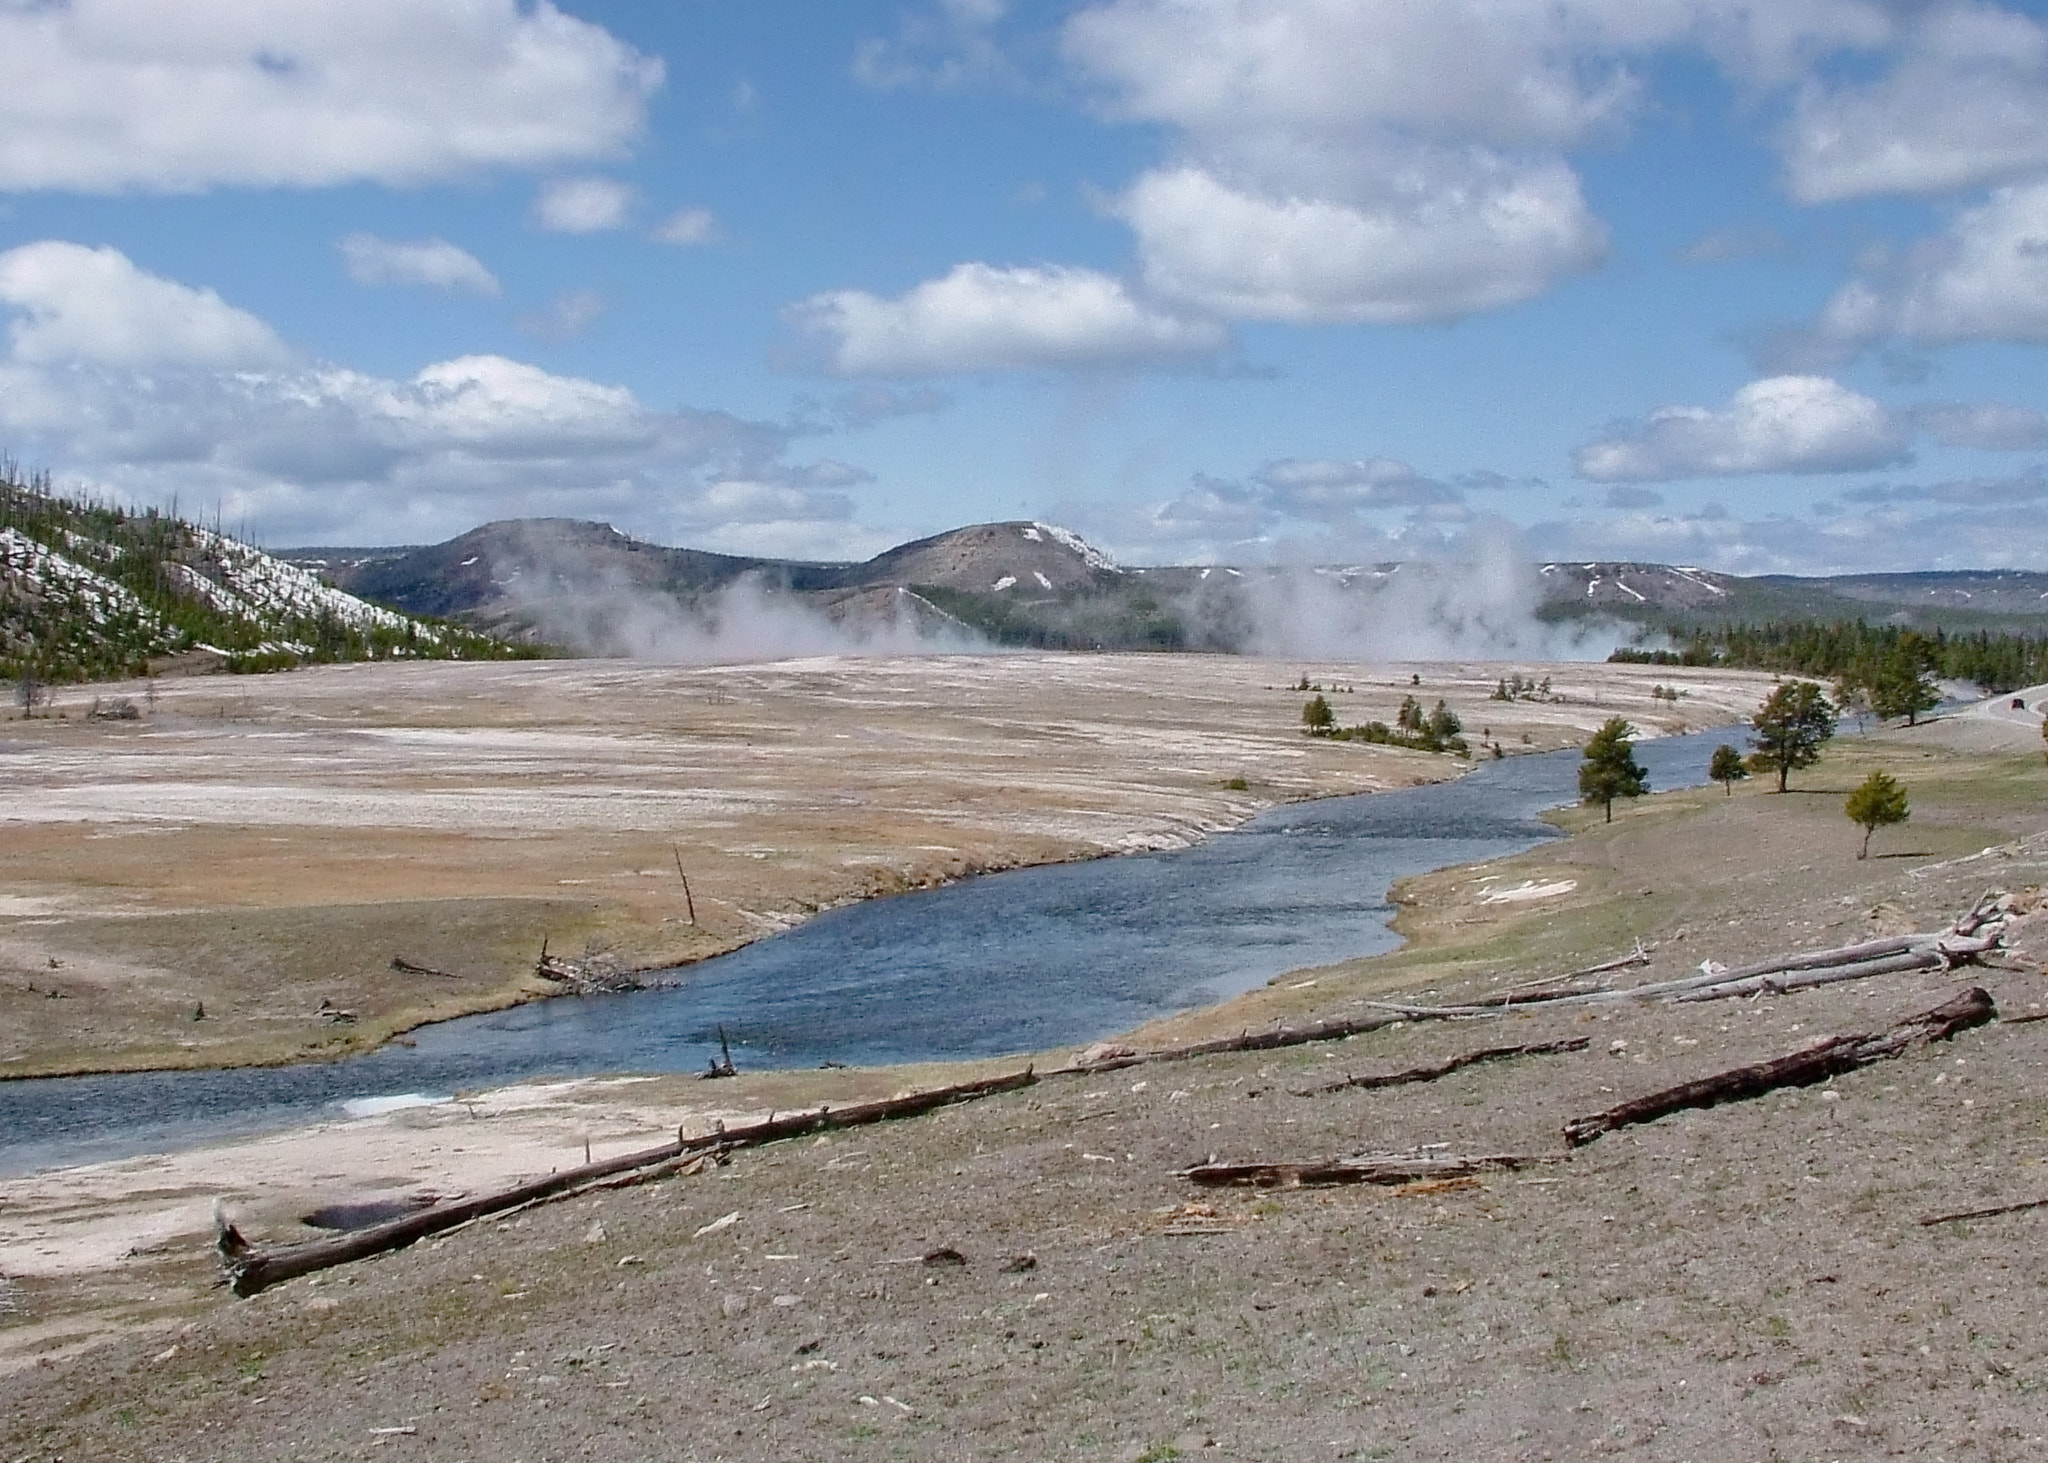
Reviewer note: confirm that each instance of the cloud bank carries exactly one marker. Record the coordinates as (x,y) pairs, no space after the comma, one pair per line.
(109,96)
(149,388)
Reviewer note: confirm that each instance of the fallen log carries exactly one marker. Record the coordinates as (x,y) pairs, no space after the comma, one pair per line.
(1551,986)
(1928,959)
(1269,1039)
(1444,1068)
(400,963)
(1890,954)
(251,1268)
(1992,1212)
(1365,1169)
(1823,1059)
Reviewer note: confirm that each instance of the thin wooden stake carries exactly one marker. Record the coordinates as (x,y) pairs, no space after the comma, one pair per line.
(687,899)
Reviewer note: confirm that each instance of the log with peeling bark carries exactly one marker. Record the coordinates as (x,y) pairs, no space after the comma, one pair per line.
(1395,1168)
(1270,1038)
(1815,1063)
(1444,1068)
(251,1268)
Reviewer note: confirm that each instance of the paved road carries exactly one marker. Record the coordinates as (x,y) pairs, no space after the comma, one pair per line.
(2021,724)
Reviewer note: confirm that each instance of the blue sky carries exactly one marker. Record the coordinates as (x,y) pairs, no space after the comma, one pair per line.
(1759,287)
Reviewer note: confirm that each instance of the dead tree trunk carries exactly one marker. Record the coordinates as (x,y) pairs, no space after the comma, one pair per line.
(1390,1169)
(1444,1068)
(1815,1063)
(251,1269)
(1270,1039)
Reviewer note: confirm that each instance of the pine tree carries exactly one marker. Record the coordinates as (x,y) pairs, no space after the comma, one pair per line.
(1791,726)
(1610,769)
(1317,718)
(1726,768)
(1878,802)
(1901,688)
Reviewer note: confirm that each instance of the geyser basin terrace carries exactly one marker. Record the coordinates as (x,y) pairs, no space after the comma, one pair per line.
(258,848)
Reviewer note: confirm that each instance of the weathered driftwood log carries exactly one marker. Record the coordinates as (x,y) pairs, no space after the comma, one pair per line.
(1396,1168)
(408,967)
(1990,1213)
(1815,1063)
(251,1269)
(1551,986)
(1960,942)
(1793,980)
(1269,1039)
(1444,1068)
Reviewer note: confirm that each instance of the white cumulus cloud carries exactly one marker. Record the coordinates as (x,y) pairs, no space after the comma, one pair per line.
(75,304)
(139,95)
(979,317)
(150,390)
(583,205)
(1985,278)
(1965,105)
(1793,424)
(1498,236)
(435,263)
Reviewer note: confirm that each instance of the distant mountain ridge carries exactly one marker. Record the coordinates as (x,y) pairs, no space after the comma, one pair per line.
(1030,583)
(528,579)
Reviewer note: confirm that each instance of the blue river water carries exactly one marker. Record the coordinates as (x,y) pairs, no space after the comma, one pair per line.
(1011,962)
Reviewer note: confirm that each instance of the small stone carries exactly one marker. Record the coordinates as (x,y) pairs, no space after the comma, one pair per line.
(594,1235)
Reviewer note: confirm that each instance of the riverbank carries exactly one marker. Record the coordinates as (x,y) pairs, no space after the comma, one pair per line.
(301,866)
(1762,1254)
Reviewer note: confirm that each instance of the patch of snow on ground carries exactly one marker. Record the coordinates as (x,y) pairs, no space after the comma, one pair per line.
(1093,557)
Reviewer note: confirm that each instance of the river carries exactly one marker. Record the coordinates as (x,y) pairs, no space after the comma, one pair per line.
(1012,962)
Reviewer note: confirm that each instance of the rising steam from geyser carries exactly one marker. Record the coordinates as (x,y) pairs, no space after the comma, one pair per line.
(1474,599)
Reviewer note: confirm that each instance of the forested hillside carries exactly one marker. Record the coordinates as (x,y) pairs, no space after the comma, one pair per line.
(91,590)
(1858,653)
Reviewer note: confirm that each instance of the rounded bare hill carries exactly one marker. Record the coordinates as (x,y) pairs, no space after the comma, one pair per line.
(525,579)
(992,558)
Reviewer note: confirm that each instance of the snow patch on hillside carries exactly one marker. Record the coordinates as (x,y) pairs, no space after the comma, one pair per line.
(32,570)
(1093,557)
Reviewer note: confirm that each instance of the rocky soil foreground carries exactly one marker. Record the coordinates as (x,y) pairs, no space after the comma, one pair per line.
(1027,1276)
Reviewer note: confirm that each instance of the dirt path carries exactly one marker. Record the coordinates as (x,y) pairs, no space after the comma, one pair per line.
(1748,1281)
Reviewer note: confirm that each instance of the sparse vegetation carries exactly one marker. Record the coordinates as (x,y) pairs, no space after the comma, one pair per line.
(1514,688)
(1610,769)
(1792,725)
(1727,768)
(1879,801)
(1438,730)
